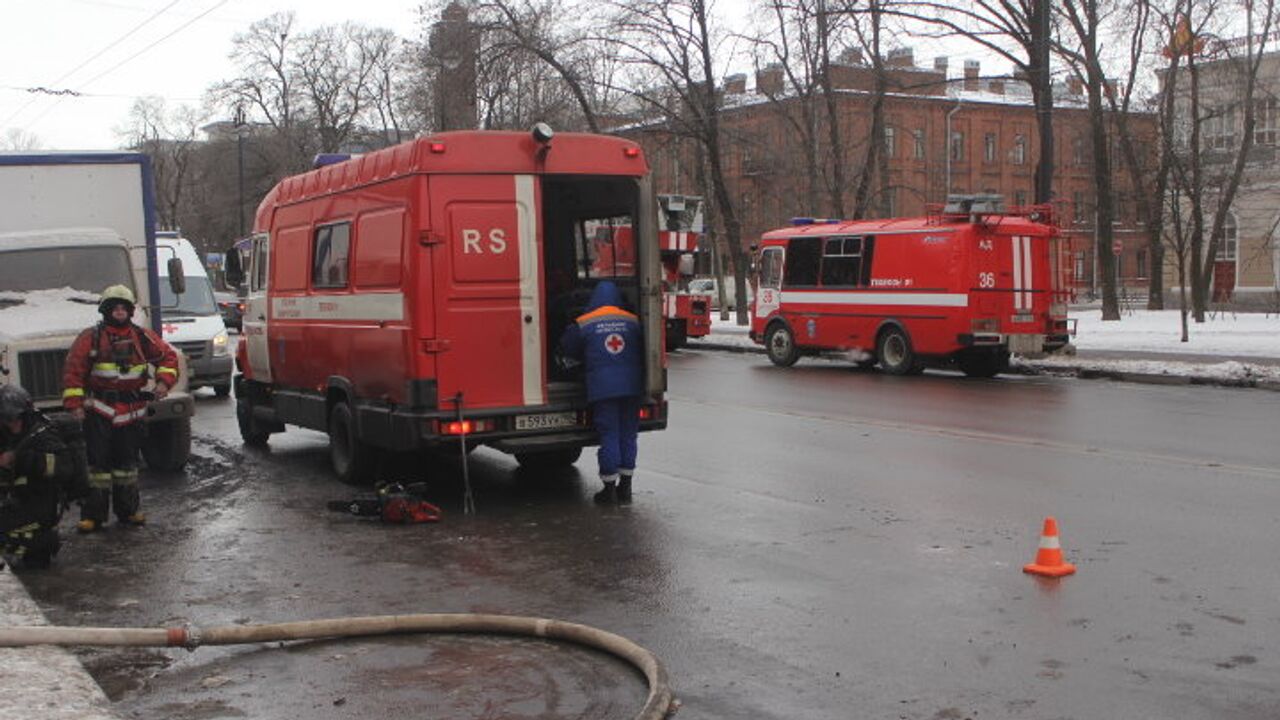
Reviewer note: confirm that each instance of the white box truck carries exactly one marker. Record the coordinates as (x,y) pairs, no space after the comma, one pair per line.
(72,224)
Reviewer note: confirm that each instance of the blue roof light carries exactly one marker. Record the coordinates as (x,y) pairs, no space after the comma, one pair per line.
(802,221)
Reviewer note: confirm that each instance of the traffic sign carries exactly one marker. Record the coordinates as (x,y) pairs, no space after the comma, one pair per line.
(1117,247)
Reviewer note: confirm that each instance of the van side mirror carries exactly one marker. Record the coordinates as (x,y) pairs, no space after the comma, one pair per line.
(177,280)
(232,270)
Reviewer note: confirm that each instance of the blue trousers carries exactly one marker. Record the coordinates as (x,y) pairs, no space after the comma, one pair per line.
(617,420)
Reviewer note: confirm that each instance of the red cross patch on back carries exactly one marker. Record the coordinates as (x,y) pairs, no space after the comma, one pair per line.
(614,343)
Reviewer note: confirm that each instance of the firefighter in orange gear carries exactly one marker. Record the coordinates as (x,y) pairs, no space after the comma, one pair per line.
(106,370)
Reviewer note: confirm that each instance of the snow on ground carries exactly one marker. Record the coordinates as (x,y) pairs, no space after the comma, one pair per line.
(1154,333)
(1159,331)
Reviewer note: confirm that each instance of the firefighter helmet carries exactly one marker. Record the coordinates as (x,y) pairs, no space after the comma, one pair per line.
(114,295)
(14,401)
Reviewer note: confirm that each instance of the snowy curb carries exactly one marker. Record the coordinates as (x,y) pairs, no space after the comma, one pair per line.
(42,682)
(1081,371)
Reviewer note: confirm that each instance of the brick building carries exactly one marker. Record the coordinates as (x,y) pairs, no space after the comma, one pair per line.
(944,134)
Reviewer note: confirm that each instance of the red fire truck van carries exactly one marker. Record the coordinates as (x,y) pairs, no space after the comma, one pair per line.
(401,298)
(966,286)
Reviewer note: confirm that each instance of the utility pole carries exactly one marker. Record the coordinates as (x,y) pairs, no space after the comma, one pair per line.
(1044,101)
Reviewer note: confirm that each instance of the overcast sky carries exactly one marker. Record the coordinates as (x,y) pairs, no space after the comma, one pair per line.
(43,41)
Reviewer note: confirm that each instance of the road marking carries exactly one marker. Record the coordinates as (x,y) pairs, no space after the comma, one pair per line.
(996,438)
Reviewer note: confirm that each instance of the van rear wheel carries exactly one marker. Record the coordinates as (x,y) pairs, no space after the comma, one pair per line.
(780,344)
(895,353)
(352,458)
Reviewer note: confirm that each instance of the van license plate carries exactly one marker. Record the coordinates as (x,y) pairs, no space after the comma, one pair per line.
(546,420)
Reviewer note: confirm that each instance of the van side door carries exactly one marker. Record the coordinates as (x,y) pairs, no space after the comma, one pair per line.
(255,319)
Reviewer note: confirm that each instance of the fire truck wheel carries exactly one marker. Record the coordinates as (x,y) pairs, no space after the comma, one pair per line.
(677,337)
(780,344)
(351,457)
(549,460)
(895,353)
(983,364)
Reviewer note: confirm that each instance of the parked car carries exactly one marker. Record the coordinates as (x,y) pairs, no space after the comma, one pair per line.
(192,320)
(232,309)
(708,285)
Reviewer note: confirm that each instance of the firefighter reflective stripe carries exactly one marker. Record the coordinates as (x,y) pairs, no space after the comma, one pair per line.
(1022,277)
(111,371)
(20,481)
(100,480)
(73,392)
(109,411)
(530,300)
(124,477)
(50,464)
(669,306)
(167,371)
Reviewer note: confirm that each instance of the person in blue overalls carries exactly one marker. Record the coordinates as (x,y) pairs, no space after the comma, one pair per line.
(608,340)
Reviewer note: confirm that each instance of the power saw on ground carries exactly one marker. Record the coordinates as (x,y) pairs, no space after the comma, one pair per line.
(395,503)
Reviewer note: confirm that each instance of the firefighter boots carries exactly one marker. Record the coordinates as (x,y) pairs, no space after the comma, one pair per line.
(609,495)
(624,488)
(87,525)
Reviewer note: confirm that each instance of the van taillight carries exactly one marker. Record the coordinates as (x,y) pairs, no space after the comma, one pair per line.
(985,325)
(646,412)
(465,427)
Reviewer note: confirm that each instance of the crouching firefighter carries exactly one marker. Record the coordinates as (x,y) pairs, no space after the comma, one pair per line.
(35,466)
(608,340)
(106,370)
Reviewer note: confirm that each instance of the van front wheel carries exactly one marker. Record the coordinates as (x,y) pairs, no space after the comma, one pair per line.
(352,458)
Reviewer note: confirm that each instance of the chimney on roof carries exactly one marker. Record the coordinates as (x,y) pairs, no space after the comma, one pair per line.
(850,56)
(901,57)
(769,79)
(940,64)
(1074,85)
(735,84)
(972,69)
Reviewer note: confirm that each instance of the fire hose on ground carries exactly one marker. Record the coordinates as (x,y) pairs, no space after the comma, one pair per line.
(659,704)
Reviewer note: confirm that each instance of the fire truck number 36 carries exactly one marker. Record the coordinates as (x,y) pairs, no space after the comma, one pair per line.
(987,279)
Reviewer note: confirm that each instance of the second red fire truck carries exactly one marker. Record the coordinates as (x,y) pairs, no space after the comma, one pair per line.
(967,285)
(408,296)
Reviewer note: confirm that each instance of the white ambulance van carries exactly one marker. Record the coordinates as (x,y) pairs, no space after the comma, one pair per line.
(192,322)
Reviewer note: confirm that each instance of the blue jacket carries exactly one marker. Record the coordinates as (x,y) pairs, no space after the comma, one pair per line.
(608,340)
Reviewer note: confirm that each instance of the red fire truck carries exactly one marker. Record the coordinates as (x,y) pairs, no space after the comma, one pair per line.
(680,228)
(967,285)
(402,298)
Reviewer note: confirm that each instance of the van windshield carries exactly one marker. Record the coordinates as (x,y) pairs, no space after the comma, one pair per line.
(197,300)
(90,269)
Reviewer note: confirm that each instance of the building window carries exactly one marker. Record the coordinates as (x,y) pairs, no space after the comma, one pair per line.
(1020,198)
(891,202)
(1019,149)
(890,141)
(1077,150)
(957,145)
(919,138)
(1220,128)
(1230,239)
(989,148)
(1142,264)
(1077,206)
(1264,128)
(329,263)
(1079,267)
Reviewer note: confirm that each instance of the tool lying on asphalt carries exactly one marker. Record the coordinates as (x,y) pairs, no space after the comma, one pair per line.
(395,503)
(660,703)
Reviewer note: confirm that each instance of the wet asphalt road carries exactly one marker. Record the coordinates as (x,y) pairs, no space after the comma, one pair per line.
(816,542)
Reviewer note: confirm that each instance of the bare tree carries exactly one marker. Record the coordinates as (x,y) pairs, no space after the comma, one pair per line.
(996,25)
(168,137)
(19,139)
(265,84)
(1208,178)
(333,69)
(1083,51)
(673,49)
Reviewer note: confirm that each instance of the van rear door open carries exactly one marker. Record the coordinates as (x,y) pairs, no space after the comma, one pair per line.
(487,266)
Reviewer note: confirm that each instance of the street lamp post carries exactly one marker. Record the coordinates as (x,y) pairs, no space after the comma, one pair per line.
(239,124)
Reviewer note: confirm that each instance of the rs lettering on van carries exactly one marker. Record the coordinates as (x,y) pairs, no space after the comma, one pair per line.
(473,241)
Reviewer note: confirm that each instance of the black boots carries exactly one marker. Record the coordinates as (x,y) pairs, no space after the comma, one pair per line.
(624,489)
(607,496)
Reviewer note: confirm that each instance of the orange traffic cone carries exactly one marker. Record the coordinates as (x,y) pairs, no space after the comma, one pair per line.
(1049,562)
